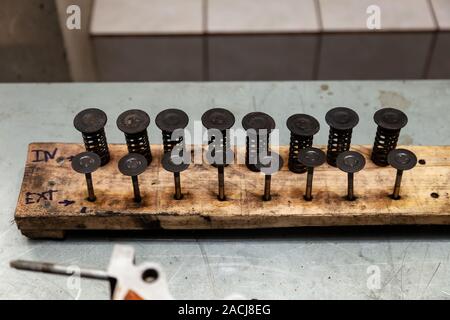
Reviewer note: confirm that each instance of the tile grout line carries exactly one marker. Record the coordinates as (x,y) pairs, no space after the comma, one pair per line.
(205,41)
(319,15)
(318,49)
(433,14)
(429,57)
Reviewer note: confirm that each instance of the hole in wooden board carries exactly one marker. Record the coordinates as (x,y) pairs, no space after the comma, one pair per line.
(434,195)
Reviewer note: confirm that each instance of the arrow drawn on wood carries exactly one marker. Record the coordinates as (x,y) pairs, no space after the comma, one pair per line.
(66,202)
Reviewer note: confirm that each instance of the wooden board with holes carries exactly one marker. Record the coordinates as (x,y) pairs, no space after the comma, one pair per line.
(53,197)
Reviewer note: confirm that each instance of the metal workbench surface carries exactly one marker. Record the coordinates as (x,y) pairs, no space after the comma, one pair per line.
(411,262)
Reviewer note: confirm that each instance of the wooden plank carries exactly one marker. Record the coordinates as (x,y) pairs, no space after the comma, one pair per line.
(53,197)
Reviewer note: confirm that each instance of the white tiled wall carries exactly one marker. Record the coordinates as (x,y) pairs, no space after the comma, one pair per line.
(441,9)
(262,57)
(359,56)
(159,58)
(351,51)
(262,16)
(148,17)
(269,40)
(440,58)
(395,15)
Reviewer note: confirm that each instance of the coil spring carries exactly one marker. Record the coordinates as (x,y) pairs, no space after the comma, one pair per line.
(296,144)
(96,142)
(255,143)
(223,143)
(338,142)
(385,141)
(138,143)
(168,143)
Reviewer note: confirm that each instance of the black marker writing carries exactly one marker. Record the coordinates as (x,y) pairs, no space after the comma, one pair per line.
(66,202)
(44,155)
(36,197)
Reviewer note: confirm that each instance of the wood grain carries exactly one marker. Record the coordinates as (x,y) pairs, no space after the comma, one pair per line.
(39,216)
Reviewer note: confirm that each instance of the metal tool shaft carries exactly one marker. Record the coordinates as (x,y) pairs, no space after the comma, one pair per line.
(90,187)
(398,182)
(59,269)
(220,169)
(350,189)
(178,195)
(309,181)
(137,192)
(267,180)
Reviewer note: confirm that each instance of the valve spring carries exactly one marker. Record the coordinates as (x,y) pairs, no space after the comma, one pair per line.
(168,143)
(253,146)
(385,141)
(138,143)
(96,142)
(222,120)
(338,142)
(296,144)
(223,144)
